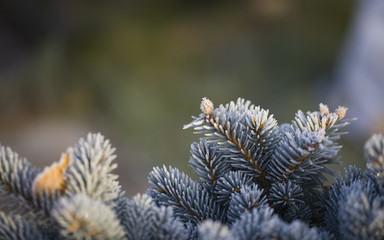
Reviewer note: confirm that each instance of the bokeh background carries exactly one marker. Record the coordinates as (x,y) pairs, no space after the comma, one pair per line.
(137,70)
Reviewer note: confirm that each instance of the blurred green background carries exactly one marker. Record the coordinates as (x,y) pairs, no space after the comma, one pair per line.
(137,70)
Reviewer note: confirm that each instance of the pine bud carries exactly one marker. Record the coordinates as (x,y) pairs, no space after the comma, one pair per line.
(341,111)
(206,106)
(324,109)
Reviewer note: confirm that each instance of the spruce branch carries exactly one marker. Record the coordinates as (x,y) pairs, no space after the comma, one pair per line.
(331,122)
(248,198)
(257,180)
(91,167)
(360,216)
(81,217)
(229,184)
(252,224)
(15,227)
(354,181)
(260,223)
(298,211)
(294,158)
(16,177)
(285,194)
(374,154)
(209,230)
(138,216)
(264,129)
(208,163)
(167,226)
(227,126)
(144,220)
(190,201)
(16,193)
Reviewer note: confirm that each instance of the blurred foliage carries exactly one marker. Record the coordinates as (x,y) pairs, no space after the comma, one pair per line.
(141,67)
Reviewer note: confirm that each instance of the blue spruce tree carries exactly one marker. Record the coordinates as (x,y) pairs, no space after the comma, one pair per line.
(256,180)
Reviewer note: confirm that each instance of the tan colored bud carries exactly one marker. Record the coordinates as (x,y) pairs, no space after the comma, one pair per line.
(341,111)
(324,109)
(51,178)
(206,106)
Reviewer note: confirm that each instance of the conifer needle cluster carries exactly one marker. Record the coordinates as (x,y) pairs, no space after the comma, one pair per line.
(257,179)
